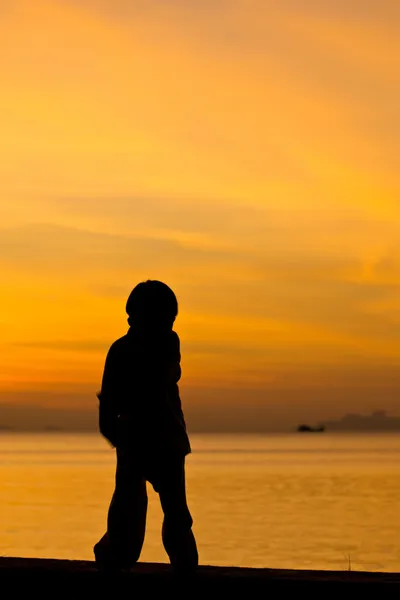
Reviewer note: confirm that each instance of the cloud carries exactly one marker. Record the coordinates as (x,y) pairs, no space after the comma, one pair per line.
(310,268)
(69,345)
(244,151)
(278,408)
(227,124)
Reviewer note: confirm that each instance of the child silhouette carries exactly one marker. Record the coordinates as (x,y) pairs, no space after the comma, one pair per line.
(140,414)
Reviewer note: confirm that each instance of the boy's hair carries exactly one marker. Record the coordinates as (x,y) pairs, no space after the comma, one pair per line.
(152,302)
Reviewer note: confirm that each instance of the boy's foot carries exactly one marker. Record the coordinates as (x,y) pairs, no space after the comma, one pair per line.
(104,559)
(182,552)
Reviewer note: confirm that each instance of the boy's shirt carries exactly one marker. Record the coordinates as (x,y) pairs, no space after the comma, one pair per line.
(140,406)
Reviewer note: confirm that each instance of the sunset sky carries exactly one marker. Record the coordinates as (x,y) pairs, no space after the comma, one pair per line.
(247,152)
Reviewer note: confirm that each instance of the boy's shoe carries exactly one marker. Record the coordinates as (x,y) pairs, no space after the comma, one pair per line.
(105,560)
(182,552)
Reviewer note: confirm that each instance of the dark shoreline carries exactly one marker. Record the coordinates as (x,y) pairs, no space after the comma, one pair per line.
(58,576)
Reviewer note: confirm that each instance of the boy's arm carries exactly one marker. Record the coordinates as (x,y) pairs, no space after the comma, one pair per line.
(162,366)
(163,371)
(174,371)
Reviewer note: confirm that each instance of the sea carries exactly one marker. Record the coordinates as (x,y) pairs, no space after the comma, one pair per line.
(293,501)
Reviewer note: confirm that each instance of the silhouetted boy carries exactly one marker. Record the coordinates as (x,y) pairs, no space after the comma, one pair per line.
(141,415)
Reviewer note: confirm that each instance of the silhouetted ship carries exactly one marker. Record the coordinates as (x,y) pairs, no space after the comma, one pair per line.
(309,429)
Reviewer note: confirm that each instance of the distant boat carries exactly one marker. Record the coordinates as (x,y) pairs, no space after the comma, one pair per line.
(309,429)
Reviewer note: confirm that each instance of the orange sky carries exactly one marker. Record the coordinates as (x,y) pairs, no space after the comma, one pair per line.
(244,151)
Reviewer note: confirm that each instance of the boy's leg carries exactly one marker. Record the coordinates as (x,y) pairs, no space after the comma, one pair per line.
(178,539)
(126,523)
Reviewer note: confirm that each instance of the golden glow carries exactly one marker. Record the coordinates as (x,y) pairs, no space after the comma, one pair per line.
(244,152)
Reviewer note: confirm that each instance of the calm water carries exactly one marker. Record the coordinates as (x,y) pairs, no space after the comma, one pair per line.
(291,501)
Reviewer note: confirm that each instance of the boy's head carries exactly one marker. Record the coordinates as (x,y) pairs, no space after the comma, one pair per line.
(152,304)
